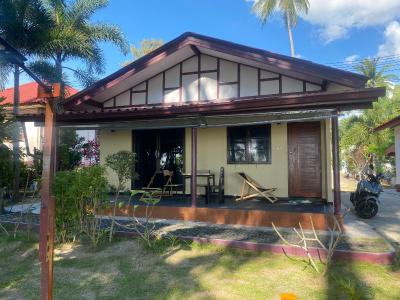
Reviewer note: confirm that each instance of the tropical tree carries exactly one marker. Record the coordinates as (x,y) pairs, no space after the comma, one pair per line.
(21,24)
(289,9)
(73,37)
(146,46)
(378,75)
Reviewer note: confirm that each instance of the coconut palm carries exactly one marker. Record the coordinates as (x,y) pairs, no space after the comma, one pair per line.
(146,46)
(378,75)
(289,9)
(72,36)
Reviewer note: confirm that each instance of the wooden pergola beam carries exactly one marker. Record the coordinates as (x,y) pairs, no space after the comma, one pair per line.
(47,208)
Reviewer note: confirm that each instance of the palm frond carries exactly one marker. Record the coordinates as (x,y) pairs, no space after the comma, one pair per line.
(264,9)
(109,33)
(45,70)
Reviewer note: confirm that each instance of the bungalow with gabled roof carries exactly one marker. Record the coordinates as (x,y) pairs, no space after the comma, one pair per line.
(198,103)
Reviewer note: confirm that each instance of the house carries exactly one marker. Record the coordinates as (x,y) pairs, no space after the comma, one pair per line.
(31,103)
(200,103)
(394,149)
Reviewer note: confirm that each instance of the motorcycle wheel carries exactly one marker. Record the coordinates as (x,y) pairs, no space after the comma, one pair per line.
(367,209)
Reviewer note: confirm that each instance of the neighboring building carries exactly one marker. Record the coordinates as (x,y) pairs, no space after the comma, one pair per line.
(202,103)
(31,135)
(394,150)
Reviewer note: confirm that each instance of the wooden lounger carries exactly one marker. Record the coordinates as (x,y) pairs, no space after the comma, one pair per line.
(249,184)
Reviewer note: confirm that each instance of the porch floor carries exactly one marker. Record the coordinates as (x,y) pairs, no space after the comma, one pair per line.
(283,204)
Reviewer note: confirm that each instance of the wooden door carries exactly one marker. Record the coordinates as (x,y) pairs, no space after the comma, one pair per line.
(304,147)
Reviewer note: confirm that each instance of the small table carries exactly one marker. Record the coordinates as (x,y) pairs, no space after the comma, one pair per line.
(210,176)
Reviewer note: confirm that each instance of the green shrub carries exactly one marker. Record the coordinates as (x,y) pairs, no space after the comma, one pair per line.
(78,193)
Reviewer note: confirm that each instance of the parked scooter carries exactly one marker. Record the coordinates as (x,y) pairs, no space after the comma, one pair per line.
(366,197)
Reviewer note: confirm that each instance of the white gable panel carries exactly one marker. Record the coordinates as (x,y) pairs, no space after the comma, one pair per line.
(190,87)
(248,81)
(312,87)
(266,75)
(138,98)
(123,99)
(140,87)
(109,103)
(269,87)
(290,85)
(155,92)
(190,65)
(171,96)
(227,91)
(228,71)
(208,86)
(172,77)
(208,63)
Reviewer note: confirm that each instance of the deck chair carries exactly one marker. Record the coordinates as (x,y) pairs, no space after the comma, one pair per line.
(249,184)
(169,187)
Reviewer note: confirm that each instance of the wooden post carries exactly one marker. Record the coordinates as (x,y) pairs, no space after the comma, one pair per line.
(337,202)
(47,208)
(193,180)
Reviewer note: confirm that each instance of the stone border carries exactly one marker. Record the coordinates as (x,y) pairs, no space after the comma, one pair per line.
(381,258)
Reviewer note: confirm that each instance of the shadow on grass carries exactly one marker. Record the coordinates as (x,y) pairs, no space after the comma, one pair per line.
(344,282)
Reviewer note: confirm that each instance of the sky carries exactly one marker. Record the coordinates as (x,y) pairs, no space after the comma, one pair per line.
(334,32)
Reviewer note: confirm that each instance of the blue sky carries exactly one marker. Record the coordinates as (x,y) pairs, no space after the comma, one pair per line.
(333,31)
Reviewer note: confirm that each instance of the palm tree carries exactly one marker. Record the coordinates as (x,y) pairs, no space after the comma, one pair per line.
(289,9)
(146,46)
(72,36)
(21,24)
(378,76)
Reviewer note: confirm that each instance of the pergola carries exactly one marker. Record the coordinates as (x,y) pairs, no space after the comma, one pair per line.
(12,56)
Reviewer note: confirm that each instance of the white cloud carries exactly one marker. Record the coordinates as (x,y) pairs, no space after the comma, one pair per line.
(335,18)
(391,45)
(350,59)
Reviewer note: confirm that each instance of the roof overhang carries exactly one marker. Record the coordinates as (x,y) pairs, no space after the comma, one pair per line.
(389,124)
(341,101)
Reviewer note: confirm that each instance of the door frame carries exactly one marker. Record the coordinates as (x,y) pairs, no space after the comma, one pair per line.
(320,189)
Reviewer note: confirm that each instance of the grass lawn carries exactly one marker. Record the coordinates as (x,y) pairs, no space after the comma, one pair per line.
(126,270)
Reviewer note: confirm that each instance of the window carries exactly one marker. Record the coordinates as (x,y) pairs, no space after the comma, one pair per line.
(249,145)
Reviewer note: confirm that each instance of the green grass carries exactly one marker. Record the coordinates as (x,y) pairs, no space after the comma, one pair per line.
(125,269)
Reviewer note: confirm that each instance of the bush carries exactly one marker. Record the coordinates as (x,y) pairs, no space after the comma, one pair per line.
(78,193)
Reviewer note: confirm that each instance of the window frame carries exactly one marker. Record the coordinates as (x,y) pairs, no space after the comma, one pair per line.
(248,137)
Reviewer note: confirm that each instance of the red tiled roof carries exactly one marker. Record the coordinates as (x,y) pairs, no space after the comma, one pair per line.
(28,94)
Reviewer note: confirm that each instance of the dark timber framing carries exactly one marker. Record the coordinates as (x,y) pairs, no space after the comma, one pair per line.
(199,73)
(337,202)
(193,180)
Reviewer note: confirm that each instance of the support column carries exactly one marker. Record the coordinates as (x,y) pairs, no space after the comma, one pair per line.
(193,181)
(397,156)
(337,202)
(47,208)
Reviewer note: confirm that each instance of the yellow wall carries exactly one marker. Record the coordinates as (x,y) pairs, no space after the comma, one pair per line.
(212,154)
(112,142)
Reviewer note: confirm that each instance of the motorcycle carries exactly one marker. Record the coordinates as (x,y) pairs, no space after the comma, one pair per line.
(366,197)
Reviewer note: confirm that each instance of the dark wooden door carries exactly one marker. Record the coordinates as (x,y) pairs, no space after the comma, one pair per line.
(304,147)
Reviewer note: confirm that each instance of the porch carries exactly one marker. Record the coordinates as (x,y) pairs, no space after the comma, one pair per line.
(286,212)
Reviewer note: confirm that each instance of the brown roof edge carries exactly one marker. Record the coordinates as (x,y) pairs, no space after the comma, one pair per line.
(389,124)
(337,100)
(190,38)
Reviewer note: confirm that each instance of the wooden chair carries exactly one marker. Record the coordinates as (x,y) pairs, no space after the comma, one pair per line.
(170,187)
(219,190)
(249,184)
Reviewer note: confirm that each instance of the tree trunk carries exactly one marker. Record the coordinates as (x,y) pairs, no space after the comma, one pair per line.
(59,73)
(16,136)
(289,29)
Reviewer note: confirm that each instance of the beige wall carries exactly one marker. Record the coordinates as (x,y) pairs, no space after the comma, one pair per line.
(212,154)
(112,142)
